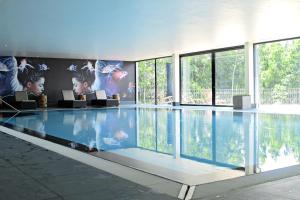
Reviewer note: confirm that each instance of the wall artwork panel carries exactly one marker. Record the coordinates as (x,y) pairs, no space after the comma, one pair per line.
(51,75)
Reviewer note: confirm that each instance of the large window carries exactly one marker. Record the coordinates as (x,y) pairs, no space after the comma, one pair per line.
(146,78)
(230,75)
(278,64)
(164,80)
(213,77)
(155,81)
(196,79)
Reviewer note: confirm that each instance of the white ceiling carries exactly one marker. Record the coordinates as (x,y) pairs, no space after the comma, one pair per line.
(140,29)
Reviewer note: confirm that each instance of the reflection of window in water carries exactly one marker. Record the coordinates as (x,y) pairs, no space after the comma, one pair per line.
(84,128)
(99,119)
(69,118)
(80,124)
(99,129)
(118,136)
(111,134)
(33,123)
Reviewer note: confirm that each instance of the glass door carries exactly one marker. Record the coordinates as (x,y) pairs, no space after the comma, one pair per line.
(164,80)
(278,66)
(230,76)
(196,79)
(146,82)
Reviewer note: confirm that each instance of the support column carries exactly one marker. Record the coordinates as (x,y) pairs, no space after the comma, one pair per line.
(176,138)
(249,75)
(250,143)
(136,82)
(176,78)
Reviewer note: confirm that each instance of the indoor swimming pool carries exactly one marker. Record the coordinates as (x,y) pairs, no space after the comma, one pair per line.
(185,145)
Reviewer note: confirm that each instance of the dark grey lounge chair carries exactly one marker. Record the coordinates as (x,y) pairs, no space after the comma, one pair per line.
(22,102)
(69,100)
(102,100)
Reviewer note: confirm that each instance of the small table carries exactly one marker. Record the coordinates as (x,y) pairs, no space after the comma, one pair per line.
(43,101)
(116,97)
(82,97)
(241,102)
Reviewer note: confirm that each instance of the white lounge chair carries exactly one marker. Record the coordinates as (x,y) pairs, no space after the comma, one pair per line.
(103,101)
(69,100)
(22,101)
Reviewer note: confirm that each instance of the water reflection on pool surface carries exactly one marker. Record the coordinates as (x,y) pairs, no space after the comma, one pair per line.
(185,145)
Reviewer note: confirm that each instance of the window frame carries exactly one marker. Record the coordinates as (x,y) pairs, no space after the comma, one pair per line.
(212,52)
(155,77)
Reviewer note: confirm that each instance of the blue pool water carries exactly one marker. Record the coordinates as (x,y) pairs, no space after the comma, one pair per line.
(234,140)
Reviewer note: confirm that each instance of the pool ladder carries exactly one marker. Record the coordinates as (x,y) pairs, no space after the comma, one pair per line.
(9,105)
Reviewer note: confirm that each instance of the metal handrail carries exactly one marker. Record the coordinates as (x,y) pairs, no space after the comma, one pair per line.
(1,100)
